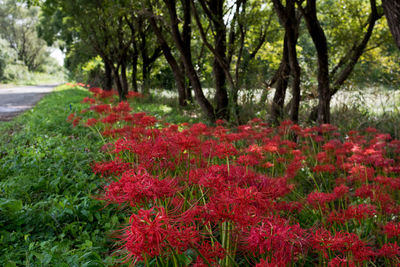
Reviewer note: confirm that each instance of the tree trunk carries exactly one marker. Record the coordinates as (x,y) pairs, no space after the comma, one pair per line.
(188,88)
(392,13)
(122,95)
(108,83)
(176,70)
(187,60)
(296,72)
(221,94)
(186,38)
(291,28)
(288,18)
(144,56)
(145,76)
(319,39)
(347,63)
(281,84)
(124,80)
(135,57)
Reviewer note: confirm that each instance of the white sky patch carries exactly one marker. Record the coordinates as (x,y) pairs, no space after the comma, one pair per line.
(58,55)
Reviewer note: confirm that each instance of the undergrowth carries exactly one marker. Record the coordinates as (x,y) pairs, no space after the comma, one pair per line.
(48,216)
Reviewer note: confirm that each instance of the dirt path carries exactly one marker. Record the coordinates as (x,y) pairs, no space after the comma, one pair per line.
(14,100)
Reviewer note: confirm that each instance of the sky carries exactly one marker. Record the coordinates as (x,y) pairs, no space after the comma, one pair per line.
(58,55)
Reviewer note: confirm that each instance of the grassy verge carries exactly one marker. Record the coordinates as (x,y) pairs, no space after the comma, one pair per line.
(47,214)
(35,79)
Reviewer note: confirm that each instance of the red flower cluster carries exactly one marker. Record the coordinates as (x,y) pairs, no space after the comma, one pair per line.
(214,196)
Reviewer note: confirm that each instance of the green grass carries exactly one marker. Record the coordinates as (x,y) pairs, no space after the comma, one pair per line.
(37,78)
(168,110)
(48,216)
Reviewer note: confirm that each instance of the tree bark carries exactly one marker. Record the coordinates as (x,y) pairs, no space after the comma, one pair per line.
(176,70)
(288,18)
(121,93)
(147,60)
(187,60)
(135,57)
(108,83)
(392,13)
(319,39)
(186,37)
(280,85)
(124,79)
(216,8)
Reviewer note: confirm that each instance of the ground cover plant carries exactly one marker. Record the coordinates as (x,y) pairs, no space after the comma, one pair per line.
(47,214)
(253,195)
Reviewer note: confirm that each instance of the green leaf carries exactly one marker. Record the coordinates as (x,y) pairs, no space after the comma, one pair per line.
(10,205)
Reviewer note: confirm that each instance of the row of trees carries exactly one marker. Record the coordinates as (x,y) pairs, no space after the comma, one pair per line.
(230,37)
(21,48)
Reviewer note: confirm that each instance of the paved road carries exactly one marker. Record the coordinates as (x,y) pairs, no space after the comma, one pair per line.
(14,100)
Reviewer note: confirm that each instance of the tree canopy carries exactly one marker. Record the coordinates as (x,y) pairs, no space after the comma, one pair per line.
(229,47)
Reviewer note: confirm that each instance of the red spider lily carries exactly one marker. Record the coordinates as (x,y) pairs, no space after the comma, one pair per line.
(358,213)
(122,107)
(71,117)
(103,108)
(277,239)
(90,122)
(88,100)
(288,206)
(114,167)
(341,243)
(224,150)
(271,147)
(341,262)
(390,250)
(210,253)
(248,160)
(371,130)
(340,191)
(111,118)
(220,122)
(147,233)
(319,199)
(392,229)
(391,183)
(270,263)
(324,168)
(191,181)
(132,94)
(76,121)
(136,187)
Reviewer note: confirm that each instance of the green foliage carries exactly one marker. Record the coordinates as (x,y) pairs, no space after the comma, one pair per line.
(48,216)
(92,72)
(7,56)
(16,72)
(18,27)
(22,53)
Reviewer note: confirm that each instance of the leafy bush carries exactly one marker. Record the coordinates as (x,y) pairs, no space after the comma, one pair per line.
(92,72)
(7,56)
(16,72)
